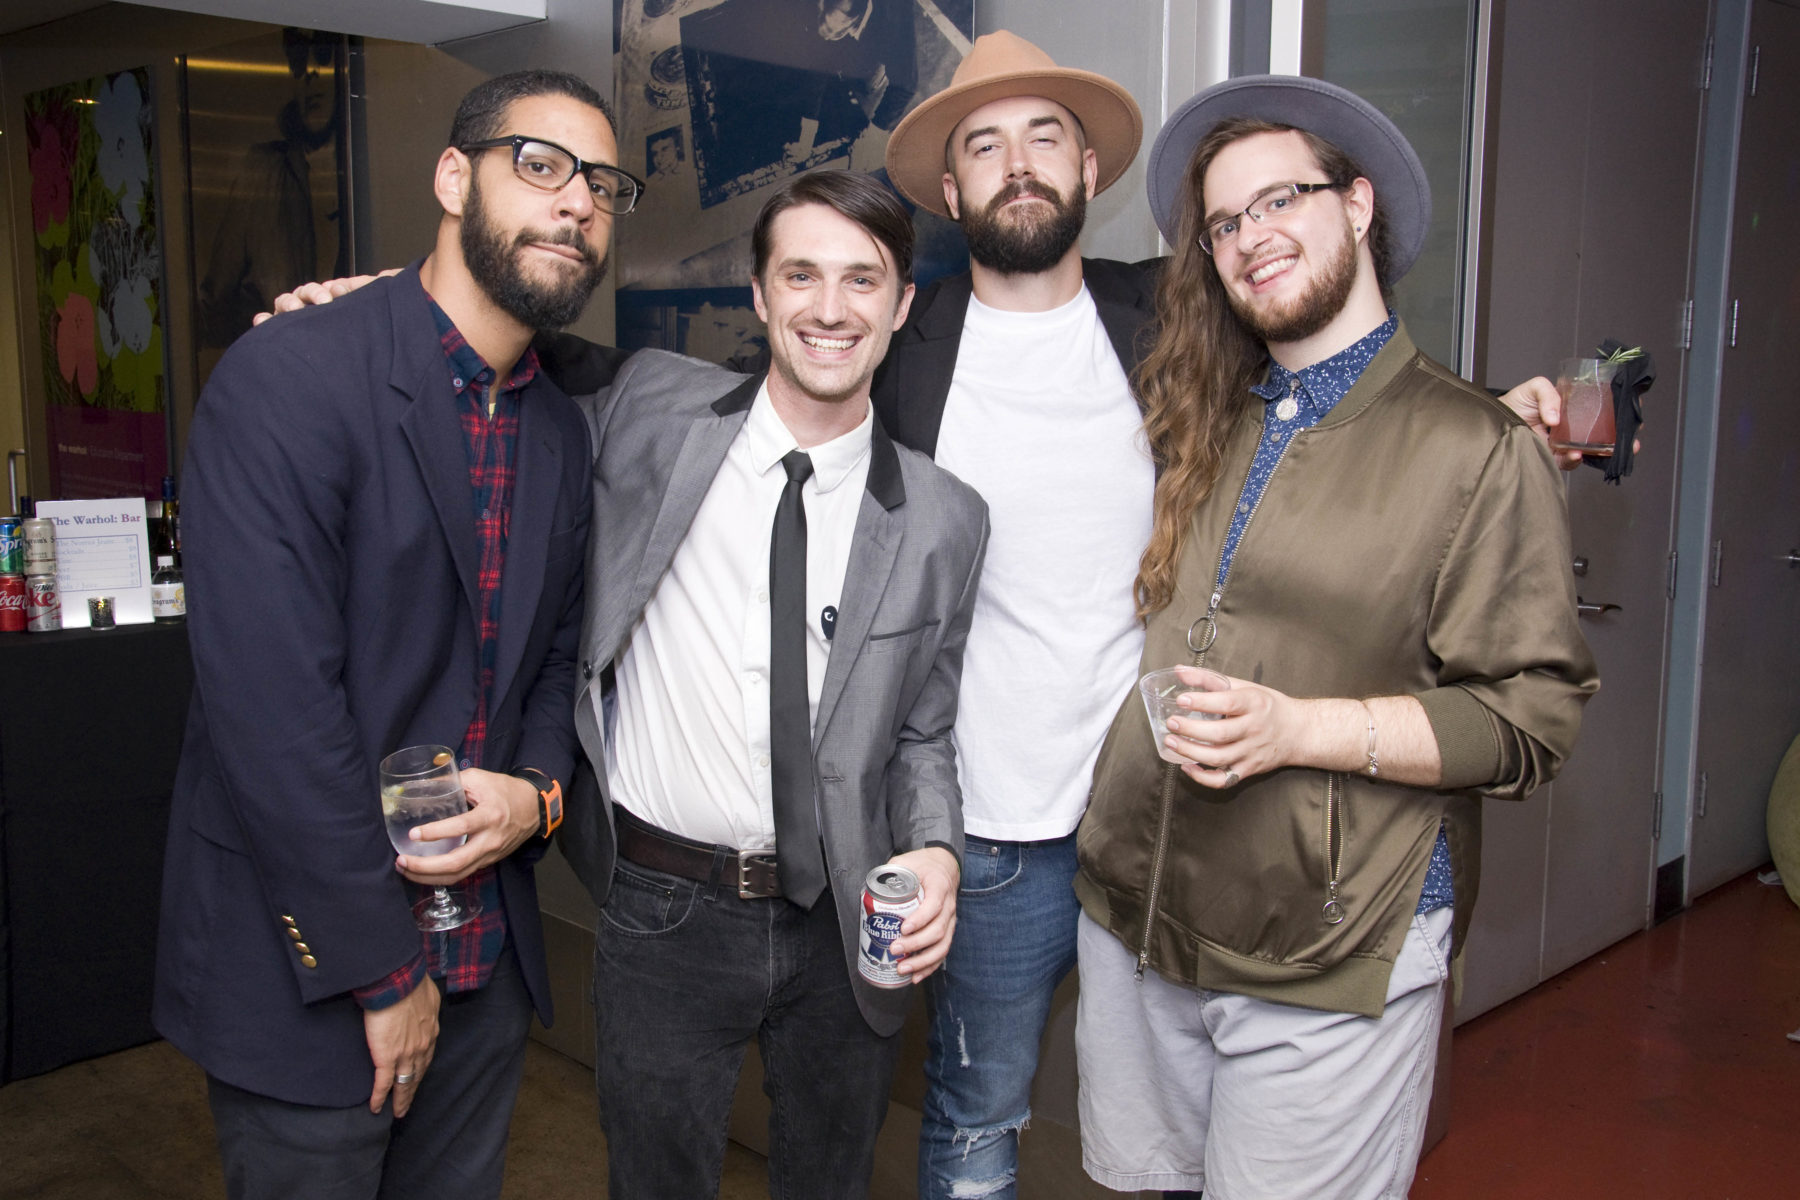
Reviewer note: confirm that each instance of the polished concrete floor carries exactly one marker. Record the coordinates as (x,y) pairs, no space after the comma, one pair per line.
(1658,1070)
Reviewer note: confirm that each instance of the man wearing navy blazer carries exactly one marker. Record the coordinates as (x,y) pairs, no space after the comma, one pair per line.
(729,873)
(387,505)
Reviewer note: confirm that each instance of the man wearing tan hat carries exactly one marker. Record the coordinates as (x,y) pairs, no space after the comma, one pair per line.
(1370,560)
(1016,377)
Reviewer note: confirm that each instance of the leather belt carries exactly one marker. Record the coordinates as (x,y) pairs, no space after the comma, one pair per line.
(753,871)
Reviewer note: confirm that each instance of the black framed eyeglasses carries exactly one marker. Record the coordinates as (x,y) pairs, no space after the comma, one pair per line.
(549,166)
(1275,203)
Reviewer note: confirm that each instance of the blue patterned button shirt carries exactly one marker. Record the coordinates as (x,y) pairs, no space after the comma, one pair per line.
(1314,392)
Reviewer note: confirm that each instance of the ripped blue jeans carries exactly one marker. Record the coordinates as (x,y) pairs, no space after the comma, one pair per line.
(1016,918)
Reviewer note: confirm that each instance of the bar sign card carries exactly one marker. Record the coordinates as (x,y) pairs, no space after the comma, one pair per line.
(102,549)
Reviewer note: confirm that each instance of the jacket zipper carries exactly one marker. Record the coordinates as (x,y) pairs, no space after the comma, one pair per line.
(1167,803)
(1166,806)
(1333,911)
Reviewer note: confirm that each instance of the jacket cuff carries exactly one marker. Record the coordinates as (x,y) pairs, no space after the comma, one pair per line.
(954,853)
(1467,747)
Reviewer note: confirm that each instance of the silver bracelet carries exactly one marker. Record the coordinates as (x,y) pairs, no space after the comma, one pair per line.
(1374,764)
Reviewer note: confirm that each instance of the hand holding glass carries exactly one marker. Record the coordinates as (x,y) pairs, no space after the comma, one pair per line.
(419,785)
(1162,691)
(1587,424)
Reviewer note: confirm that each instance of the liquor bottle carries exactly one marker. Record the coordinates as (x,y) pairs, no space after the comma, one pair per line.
(166,537)
(168,595)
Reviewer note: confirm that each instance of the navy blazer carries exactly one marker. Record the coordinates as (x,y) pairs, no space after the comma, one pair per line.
(331,559)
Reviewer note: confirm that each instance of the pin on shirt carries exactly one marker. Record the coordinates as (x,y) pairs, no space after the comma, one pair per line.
(828,621)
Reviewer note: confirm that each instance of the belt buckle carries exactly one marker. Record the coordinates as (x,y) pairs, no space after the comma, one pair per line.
(747,889)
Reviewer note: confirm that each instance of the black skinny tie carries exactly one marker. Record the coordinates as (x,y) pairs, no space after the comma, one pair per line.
(799,858)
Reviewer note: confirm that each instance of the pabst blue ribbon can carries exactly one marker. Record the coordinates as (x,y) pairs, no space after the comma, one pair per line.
(890,895)
(43,605)
(12,604)
(12,546)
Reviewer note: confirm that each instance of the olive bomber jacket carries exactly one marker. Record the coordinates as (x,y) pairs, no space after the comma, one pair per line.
(1414,542)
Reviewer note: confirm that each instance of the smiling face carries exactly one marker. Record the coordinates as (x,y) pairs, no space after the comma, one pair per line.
(831,297)
(1019,182)
(537,254)
(1289,277)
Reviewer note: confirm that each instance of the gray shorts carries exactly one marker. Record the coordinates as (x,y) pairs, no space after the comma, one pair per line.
(1247,1099)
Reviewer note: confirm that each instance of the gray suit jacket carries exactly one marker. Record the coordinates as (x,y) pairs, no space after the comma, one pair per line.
(882,757)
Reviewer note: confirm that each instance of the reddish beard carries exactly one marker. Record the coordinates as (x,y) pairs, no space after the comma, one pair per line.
(1310,311)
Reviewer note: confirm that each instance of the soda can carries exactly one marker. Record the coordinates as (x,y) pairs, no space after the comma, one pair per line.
(12,604)
(43,606)
(890,895)
(12,547)
(39,535)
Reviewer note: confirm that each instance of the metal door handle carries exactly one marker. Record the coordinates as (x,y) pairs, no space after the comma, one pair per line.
(1584,609)
(1794,558)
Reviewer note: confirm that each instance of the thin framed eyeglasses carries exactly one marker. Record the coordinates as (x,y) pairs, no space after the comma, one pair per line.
(1276,203)
(549,166)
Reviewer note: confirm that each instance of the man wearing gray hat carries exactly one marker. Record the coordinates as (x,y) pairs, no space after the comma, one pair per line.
(1360,565)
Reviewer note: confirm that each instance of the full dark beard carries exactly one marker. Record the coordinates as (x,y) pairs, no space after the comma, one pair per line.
(1311,312)
(493,262)
(1025,247)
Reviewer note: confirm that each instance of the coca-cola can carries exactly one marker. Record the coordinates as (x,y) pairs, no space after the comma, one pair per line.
(43,605)
(39,535)
(12,547)
(890,895)
(12,604)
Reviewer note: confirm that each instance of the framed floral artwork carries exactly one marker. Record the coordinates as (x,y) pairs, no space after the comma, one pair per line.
(99,284)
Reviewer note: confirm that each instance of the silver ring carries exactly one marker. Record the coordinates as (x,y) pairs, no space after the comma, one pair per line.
(1232,779)
(403,1079)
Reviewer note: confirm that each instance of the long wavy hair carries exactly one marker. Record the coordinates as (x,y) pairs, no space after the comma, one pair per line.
(1196,379)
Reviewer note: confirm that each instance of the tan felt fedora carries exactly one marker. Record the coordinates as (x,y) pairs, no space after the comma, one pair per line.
(998,66)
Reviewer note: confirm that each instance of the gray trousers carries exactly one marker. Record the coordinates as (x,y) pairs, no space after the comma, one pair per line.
(451,1145)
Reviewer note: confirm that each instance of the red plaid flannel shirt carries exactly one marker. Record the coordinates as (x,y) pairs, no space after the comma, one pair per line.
(463,958)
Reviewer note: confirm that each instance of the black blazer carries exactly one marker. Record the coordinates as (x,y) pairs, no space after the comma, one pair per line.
(913,381)
(331,572)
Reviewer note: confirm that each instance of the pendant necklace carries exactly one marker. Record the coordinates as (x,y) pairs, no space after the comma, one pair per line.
(1285,410)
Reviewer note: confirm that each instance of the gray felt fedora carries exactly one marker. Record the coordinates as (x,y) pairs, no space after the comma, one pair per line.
(1342,118)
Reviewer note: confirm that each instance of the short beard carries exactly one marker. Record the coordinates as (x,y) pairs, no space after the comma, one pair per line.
(1027,247)
(493,262)
(1323,301)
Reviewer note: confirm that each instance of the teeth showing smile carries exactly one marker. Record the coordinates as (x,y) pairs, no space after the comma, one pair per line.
(827,344)
(1270,269)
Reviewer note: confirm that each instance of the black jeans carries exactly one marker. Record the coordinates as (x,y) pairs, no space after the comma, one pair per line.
(451,1145)
(685,974)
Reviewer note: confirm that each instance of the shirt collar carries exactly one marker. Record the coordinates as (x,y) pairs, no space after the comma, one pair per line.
(832,461)
(1321,385)
(467,368)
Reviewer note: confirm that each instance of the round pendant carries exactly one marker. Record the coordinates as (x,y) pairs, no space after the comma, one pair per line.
(1287,408)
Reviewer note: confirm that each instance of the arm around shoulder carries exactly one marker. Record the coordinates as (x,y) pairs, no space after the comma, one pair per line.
(1515,669)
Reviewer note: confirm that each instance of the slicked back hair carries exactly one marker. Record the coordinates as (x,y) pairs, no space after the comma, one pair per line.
(849,194)
(483,111)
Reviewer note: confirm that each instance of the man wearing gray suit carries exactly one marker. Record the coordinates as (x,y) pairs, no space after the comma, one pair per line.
(778,600)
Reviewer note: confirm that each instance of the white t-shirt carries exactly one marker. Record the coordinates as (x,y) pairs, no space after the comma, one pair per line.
(1041,421)
(689,739)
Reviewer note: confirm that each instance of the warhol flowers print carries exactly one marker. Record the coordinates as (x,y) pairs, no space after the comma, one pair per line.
(99,283)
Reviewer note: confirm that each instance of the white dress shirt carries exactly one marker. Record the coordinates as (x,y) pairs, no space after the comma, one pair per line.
(688,742)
